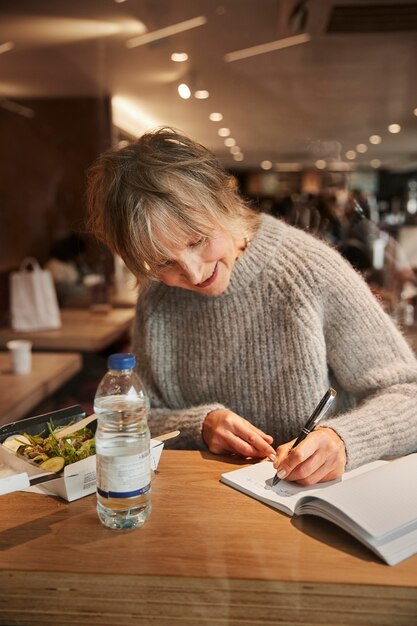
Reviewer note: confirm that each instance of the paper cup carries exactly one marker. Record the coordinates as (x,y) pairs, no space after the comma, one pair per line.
(21,355)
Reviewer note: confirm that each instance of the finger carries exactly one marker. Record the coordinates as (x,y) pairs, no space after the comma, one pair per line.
(237,445)
(254,439)
(306,469)
(296,456)
(260,432)
(321,475)
(282,453)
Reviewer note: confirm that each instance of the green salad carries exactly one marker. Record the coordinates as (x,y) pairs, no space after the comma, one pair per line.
(51,453)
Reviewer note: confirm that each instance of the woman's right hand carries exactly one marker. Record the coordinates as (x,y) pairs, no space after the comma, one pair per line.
(227,432)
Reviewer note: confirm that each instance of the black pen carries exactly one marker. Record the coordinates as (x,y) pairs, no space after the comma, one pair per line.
(319,412)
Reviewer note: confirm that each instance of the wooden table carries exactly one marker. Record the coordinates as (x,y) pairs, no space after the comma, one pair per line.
(19,393)
(208,556)
(82,329)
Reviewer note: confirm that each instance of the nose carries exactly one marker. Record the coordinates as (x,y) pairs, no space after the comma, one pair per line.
(193,268)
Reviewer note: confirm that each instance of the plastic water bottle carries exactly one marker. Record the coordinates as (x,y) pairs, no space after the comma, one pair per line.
(122,446)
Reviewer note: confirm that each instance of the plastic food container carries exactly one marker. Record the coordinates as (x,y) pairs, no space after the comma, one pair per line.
(78,479)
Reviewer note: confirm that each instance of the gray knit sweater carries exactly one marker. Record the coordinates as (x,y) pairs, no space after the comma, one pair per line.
(294,319)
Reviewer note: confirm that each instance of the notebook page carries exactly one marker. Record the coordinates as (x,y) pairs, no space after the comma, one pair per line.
(256,481)
(379,501)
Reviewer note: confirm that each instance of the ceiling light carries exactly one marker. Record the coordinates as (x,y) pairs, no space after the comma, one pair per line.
(201,94)
(394,128)
(266,47)
(351,154)
(266,165)
(238,157)
(162,33)
(234,149)
(375,163)
(320,164)
(15,107)
(179,57)
(223,132)
(415,111)
(6,46)
(119,1)
(230,142)
(184,91)
(128,116)
(375,139)
(215,117)
(362,148)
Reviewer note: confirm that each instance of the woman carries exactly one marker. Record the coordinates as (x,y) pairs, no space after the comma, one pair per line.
(243,321)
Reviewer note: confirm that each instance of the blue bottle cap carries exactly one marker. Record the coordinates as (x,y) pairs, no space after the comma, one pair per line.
(121,361)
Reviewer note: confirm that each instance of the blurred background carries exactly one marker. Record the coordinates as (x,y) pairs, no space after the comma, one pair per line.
(311,104)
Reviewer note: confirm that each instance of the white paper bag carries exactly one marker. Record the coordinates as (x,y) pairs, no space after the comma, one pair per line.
(33,301)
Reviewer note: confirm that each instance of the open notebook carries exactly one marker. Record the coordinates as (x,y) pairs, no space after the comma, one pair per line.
(376,503)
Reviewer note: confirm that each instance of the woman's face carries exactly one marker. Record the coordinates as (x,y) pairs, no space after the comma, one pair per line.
(201,265)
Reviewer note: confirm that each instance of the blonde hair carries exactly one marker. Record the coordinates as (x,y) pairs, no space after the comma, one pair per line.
(163,179)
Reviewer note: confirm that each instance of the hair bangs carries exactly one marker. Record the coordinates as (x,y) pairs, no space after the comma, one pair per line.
(160,227)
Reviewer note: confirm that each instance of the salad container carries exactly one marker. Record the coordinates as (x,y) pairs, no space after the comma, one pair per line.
(77,479)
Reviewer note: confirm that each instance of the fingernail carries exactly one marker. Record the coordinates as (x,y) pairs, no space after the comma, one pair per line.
(272,457)
(281,473)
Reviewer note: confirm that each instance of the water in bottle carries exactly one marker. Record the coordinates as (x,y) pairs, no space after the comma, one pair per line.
(122,446)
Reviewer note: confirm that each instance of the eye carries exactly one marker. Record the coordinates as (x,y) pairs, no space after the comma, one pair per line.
(198,242)
(164,265)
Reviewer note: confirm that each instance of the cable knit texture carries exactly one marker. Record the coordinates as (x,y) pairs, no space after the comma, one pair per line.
(294,319)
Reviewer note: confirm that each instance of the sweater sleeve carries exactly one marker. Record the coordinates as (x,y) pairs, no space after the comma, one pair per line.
(370,359)
(161,418)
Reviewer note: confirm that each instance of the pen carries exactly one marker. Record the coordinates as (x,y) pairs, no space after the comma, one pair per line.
(319,412)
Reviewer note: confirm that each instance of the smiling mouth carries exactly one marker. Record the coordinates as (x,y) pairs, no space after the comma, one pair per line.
(210,279)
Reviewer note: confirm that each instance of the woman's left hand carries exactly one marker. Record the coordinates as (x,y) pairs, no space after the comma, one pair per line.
(320,457)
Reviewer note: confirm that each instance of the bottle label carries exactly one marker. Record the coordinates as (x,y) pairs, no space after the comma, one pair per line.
(123,476)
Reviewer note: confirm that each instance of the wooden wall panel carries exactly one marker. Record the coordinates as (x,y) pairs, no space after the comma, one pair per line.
(43,161)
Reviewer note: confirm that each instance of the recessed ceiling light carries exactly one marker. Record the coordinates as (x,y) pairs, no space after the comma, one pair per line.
(179,57)
(201,94)
(168,31)
(229,142)
(238,157)
(6,46)
(394,128)
(277,44)
(224,132)
(215,117)
(375,163)
(266,165)
(351,154)
(320,164)
(362,148)
(415,111)
(375,139)
(119,1)
(235,149)
(184,91)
